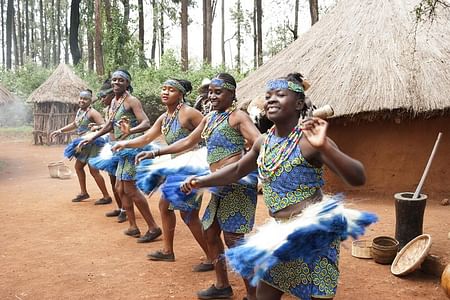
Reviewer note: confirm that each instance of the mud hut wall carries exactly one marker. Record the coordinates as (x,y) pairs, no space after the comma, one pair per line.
(50,116)
(395,155)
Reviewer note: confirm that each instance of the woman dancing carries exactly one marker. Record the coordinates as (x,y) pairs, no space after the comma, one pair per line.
(176,123)
(84,116)
(127,119)
(290,160)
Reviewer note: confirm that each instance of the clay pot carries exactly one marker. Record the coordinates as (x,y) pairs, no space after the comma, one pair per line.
(384,249)
(445,280)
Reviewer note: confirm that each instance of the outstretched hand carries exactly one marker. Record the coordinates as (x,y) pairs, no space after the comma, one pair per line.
(55,134)
(315,130)
(84,143)
(118,146)
(144,155)
(190,184)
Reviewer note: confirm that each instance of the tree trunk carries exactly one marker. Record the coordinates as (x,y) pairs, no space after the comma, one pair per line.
(99,67)
(238,36)
(255,35)
(259,13)
(41,31)
(90,34)
(58,26)
(295,29)
(19,35)
(155,31)
(27,29)
(314,11)
(161,30)
(142,62)
(33,33)
(207,28)
(9,34)
(222,34)
(15,43)
(108,13)
(184,35)
(73,35)
(66,39)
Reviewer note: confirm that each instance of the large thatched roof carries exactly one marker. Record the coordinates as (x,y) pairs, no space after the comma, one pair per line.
(62,86)
(364,57)
(6,96)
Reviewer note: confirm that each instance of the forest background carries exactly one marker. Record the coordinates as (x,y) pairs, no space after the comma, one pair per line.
(153,39)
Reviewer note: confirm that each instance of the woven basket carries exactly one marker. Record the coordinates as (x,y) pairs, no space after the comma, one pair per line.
(361,249)
(412,255)
(53,168)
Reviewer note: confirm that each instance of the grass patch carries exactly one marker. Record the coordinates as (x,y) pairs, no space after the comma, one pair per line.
(19,132)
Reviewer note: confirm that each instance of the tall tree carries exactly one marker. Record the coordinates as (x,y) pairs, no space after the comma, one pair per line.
(99,67)
(90,34)
(255,36)
(259,13)
(222,33)
(42,33)
(108,13)
(155,30)
(15,43)
(314,11)
(9,34)
(53,30)
(209,7)
(161,29)
(66,38)
(58,32)
(294,29)
(2,3)
(73,35)
(33,32)
(141,26)
(27,28)
(19,35)
(239,41)
(184,35)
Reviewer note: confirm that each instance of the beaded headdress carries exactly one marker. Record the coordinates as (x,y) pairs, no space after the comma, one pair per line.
(175,84)
(283,84)
(221,83)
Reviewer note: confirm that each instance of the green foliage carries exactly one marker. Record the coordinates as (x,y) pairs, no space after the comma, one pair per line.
(25,79)
(427,9)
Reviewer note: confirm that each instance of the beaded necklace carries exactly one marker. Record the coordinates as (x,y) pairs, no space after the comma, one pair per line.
(268,164)
(214,120)
(79,117)
(168,119)
(114,107)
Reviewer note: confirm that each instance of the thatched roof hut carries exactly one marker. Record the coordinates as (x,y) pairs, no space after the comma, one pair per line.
(6,96)
(55,104)
(388,80)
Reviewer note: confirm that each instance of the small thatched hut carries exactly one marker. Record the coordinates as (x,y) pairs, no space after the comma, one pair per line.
(6,97)
(55,103)
(388,80)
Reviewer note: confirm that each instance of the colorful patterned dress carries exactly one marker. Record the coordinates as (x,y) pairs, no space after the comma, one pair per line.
(235,204)
(172,132)
(126,169)
(81,122)
(294,181)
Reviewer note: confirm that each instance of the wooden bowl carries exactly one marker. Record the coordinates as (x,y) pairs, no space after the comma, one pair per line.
(412,255)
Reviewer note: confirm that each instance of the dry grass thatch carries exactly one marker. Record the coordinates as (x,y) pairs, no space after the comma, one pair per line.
(62,86)
(365,58)
(6,96)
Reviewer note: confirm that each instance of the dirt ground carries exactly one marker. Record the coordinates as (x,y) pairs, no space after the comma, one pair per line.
(52,248)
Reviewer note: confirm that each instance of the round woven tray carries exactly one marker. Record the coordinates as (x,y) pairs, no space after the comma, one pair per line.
(411,256)
(362,249)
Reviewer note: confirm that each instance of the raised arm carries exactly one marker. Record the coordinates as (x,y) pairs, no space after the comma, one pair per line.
(349,169)
(69,127)
(142,140)
(143,121)
(228,174)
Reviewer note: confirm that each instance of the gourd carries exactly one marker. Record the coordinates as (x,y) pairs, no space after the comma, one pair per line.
(445,280)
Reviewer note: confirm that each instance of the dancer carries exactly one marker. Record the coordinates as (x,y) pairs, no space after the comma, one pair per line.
(128,120)
(290,160)
(176,123)
(106,95)
(84,116)
(232,211)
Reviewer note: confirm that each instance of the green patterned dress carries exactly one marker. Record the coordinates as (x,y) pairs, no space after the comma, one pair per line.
(233,205)
(82,121)
(294,181)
